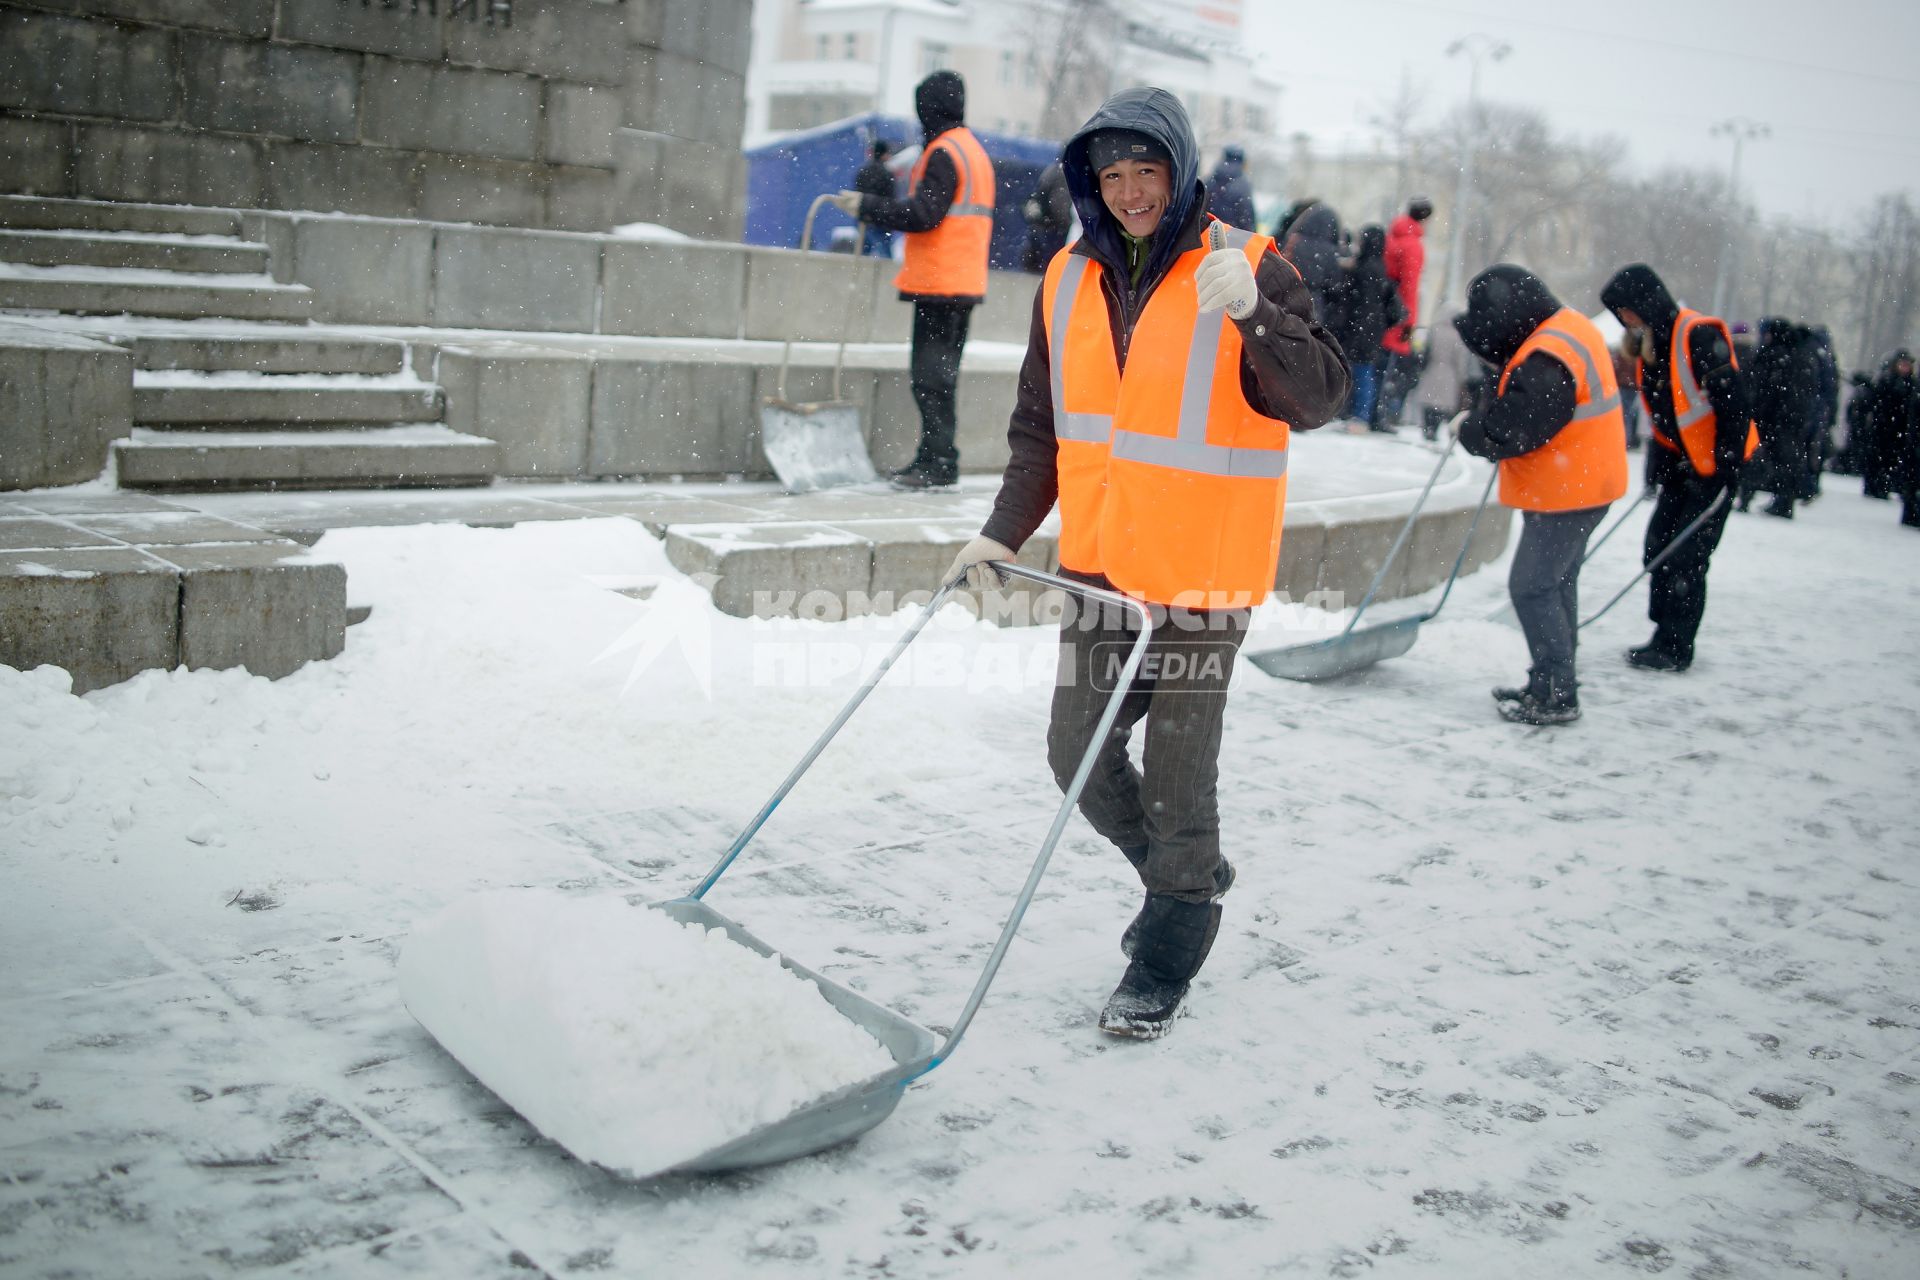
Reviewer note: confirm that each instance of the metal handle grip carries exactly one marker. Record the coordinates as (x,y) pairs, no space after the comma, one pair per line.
(1072,794)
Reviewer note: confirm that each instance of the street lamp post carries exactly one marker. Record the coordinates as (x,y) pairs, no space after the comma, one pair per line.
(1476,46)
(1740,129)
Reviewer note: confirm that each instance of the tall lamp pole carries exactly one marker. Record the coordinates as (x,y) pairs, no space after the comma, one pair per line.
(1476,46)
(1741,130)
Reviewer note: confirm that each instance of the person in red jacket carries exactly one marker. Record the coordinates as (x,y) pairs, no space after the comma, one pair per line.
(1406,257)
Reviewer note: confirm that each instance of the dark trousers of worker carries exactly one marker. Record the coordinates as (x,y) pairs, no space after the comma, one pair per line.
(1169,806)
(1677,590)
(1545,585)
(939,335)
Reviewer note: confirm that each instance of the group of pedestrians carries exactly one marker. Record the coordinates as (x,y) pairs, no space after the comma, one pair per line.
(1883,435)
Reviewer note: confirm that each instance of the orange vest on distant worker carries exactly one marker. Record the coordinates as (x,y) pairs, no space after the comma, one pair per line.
(951,260)
(1171,484)
(1692,411)
(1585,464)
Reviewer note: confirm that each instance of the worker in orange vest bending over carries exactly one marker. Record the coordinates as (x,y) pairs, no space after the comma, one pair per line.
(1554,426)
(1699,415)
(948,218)
(1162,377)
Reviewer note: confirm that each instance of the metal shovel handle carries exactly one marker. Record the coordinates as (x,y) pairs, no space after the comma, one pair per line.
(1406,532)
(1679,540)
(786,347)
(1061,816)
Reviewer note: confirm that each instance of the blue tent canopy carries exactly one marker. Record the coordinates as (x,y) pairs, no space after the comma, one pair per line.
(785,175)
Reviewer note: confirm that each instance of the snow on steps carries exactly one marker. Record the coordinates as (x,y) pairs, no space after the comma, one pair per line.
(397,456)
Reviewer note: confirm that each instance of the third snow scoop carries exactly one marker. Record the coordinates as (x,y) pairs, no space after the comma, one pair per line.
(820,444)
(1357,647)
(849,1112)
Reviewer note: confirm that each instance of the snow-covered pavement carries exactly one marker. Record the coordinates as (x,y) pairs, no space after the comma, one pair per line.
(1637,995)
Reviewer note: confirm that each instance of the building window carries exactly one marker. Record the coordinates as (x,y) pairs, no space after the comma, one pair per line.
(934,57)
(821,46)
(853,47)
(1032,72)
(1226,113)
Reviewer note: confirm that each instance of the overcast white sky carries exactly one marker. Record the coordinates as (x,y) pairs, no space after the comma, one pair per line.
(1838,81)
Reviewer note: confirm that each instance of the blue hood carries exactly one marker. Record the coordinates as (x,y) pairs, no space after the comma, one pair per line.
(1159,115)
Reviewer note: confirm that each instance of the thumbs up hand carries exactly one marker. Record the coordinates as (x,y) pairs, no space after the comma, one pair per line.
(1225,278)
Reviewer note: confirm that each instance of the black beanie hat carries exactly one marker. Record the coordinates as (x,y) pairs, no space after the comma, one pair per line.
(1419,208)
(1111,146)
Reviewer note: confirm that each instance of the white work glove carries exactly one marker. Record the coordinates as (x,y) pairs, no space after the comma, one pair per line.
(972,561)
(848,202)
(1225,279)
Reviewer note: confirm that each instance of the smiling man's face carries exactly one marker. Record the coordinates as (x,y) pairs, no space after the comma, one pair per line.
(1137,193)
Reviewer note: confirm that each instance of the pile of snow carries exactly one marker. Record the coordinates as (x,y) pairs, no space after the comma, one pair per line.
(632,1040)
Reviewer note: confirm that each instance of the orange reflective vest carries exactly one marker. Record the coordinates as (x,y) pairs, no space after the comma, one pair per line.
(1171,484)
(1691,408)
(1585,464)
(950,261)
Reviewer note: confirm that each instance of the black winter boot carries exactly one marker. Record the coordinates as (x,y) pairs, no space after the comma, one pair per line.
(1652,657)
(1559,704)
(1175,937)
(1536,687)
(1222,881)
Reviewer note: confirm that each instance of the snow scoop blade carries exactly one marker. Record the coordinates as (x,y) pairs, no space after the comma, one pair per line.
(1341,655)
(815,446)
(838,1116)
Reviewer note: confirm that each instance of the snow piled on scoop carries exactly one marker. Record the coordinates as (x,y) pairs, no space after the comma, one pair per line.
(632,1040)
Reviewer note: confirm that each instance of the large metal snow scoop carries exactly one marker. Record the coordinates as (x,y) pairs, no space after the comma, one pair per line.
(819,444)
(851,1111)
(1357,648)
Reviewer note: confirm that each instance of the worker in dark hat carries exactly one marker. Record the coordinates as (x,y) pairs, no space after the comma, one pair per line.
(1698,411)
(948,218)
(1553,424)
(1229,194)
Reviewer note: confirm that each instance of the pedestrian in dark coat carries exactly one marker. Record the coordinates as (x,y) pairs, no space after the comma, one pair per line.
(1785,384)
(1677,592)
(1048,211)
(1859,419)
(875,179)
(1893,398)
(1896,432)
(1361,307)
(1820,448)
(1311,242)
(1229,194)
(1158,525)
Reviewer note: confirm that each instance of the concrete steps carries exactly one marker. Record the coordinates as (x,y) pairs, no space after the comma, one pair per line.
(214,426)
(284,401)
(180,295)
(402,455)
(153,252)
(84,257)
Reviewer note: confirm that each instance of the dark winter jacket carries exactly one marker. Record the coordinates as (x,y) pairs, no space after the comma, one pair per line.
(1785,385)
(1505,304)
(1638,289)
(941,100)
(1230,195)
(1895,428)
(1363,304)
(1291,368)
(1311,243)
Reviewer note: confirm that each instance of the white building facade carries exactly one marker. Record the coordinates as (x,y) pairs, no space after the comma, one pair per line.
(1033,67)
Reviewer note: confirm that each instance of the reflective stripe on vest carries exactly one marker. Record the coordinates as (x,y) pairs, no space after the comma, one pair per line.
(1584,464)
(950,260)
(1171,484)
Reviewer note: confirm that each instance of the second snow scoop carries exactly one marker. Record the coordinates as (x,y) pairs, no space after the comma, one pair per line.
(819,444)
(1357,648)
(846,1113)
